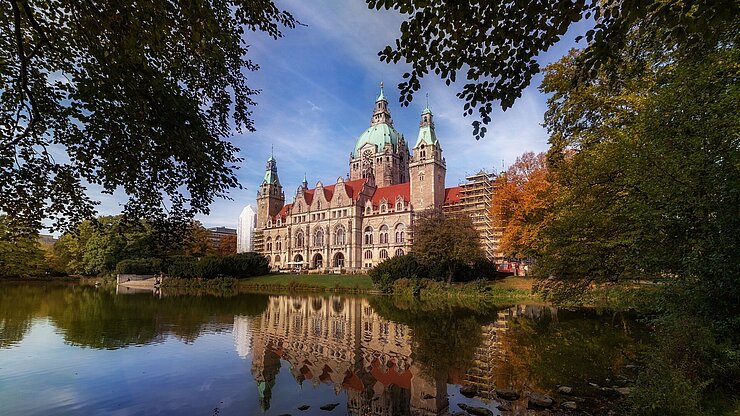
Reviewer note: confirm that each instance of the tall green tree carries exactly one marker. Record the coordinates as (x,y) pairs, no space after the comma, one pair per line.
(133,96)
(19,256)
(495,43)
(649,168)
(447,242)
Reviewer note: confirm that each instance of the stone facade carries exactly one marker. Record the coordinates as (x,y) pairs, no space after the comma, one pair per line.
(363,219)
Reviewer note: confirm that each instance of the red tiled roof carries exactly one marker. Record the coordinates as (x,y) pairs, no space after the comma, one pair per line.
(391,192)
(353,189)
(284,211)
(452,195)
(390,374)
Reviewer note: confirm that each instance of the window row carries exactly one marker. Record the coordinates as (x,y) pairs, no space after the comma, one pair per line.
(383,208)
(383,255)
(383,233)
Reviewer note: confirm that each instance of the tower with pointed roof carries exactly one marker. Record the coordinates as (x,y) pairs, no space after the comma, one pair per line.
(427,169)
(381,151)
(270,197)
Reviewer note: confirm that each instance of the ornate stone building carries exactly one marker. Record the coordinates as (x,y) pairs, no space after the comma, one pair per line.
(363,219)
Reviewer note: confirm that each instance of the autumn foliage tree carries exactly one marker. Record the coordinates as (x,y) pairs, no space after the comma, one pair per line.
(227,244)
(522,204)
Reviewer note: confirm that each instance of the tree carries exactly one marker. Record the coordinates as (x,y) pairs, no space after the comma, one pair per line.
(132,96)
(446,242)
(227,244)
(497,42)
(648,178)
(522,204)
(19,257)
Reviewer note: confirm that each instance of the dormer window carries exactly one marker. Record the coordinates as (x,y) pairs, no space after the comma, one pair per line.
(383,208)
(279,222)
(399,206)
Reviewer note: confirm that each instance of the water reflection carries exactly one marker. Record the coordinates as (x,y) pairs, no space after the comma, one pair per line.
(271,354)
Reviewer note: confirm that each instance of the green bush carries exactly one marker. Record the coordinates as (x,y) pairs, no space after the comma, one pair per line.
(139,266)
(246,265)
(394,268)
(182,266)
(210,267)
(684,369)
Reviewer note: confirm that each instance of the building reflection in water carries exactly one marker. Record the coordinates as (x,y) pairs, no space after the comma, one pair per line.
(344,343)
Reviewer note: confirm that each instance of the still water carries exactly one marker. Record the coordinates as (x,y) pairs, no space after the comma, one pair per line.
(81,350)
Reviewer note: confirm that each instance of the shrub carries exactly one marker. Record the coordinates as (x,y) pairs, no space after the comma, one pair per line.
(139,266)
(212,266)
(395,268)
(246,265)
(182,266)
(209,267)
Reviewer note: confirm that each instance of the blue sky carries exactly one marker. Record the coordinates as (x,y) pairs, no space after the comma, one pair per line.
(319,84)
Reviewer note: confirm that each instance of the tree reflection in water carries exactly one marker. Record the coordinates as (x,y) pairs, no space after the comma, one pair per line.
(93,317)
(390,355)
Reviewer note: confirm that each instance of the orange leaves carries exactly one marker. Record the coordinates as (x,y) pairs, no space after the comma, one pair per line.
(521,204)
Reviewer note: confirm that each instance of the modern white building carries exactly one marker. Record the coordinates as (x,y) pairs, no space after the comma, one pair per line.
(245,230)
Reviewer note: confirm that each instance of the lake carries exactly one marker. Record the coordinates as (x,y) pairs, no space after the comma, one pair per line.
(71,349)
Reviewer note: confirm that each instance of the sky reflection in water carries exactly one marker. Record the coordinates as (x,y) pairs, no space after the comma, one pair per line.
(68,349)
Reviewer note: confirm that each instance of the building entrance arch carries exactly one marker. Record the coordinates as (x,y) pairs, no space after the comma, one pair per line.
(318,261)
(339,259)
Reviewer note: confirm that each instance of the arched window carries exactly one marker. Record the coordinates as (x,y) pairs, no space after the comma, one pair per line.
(319,238)
(368,235)
(368,255)
(339,238)
(400,237)
(278,244)
(339,260)
(399,205)
(268,244)
(368,210)
(269,260)
(299,240)
(383,234)
(383,254)
(277,259)
(279,222)
(383,208)
(399,252)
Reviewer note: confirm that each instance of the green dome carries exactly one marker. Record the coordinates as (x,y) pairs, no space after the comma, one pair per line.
(379,135)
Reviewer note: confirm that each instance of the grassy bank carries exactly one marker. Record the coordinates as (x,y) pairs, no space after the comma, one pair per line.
(510,290)
(350,283)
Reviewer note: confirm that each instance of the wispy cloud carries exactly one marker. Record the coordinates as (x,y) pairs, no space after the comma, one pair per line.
(319,84)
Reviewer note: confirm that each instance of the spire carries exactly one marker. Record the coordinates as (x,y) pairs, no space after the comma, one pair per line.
(426,109)
(305,181)
(381,115)
(426,127)
(381,97)
(271,175)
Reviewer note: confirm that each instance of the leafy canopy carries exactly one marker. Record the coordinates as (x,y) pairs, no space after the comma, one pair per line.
(447,242)
(138,97)
(494,44)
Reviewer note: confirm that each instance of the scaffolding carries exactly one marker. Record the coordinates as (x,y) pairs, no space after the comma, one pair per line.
(476,196)
(258,241)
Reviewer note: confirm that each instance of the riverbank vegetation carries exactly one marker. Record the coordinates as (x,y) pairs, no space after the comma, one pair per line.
(639,191)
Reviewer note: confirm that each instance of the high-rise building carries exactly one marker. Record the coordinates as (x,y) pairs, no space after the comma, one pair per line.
(245,230)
